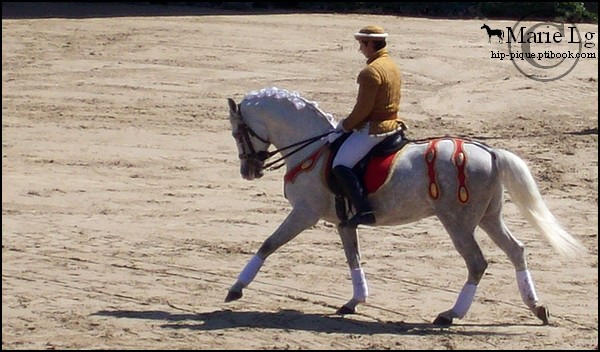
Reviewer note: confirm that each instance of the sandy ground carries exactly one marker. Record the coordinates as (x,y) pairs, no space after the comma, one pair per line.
(125,219)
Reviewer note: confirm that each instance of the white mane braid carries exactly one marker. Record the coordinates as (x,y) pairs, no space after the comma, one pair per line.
(293,97)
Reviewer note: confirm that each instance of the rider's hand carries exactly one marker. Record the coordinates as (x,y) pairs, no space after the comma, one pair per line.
(333,136)
(337,132)
(340,127)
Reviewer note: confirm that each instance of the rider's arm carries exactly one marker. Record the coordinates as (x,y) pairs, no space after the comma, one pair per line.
(368,84)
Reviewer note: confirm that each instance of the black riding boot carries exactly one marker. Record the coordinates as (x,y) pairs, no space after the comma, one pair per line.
(354,190)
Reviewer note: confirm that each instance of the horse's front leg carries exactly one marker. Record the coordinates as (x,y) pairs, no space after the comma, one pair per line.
(360,290)
(298,220)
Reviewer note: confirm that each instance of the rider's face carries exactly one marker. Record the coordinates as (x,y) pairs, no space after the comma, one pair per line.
(366,48)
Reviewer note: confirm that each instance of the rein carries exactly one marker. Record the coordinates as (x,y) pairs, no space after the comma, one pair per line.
(243,136)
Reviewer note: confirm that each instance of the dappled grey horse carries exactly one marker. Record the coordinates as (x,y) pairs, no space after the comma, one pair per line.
(460,181)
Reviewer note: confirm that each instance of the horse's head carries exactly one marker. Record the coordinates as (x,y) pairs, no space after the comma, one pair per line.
(251,147)
(484,26)
(278,117)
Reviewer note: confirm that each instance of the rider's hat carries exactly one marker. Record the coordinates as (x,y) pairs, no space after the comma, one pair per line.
(371,33)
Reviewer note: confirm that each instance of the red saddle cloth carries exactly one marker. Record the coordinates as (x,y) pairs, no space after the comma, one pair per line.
(375,175)
(377,171)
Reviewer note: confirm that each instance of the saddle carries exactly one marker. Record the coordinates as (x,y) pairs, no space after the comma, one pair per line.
(372,170)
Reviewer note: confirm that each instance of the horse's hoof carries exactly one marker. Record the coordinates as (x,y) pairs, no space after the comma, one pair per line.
(233,295)
(440,321)
(543,314)
(346,310)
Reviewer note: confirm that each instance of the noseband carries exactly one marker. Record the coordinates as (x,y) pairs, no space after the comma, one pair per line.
(242,136)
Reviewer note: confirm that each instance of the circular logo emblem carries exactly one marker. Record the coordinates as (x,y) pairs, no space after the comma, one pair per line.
(544,51)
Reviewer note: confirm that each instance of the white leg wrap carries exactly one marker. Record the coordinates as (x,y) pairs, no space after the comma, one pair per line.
(359,284)
(526,288)
(464,300)
(250,270)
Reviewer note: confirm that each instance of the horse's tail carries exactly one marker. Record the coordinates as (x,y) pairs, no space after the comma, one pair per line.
(524,192)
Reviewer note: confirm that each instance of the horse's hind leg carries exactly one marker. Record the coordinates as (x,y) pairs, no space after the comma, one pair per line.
(493,225)
(463,239)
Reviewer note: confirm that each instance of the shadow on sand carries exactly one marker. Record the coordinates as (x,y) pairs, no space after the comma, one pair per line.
(296,320)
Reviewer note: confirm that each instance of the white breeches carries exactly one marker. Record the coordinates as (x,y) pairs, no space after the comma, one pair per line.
(356,147)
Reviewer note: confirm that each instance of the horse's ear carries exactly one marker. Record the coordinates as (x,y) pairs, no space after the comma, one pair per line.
(232,105)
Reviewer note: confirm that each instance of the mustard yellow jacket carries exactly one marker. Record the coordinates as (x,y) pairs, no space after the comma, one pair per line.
(378,99)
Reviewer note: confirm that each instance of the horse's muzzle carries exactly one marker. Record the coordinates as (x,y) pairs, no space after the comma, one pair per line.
(251,169)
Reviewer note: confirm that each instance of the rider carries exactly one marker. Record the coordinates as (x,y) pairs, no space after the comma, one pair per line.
(374,117)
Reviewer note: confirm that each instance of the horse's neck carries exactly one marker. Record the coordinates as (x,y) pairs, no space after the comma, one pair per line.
(295,127)
(290,121)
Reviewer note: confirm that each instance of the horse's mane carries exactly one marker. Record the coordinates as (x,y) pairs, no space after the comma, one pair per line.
(294,98)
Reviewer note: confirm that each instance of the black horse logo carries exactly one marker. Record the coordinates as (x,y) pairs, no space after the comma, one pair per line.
(494,32)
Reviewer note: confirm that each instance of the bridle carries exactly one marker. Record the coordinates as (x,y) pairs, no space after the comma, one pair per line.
(243,134)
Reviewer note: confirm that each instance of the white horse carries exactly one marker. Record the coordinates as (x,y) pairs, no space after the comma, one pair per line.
(460,181)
